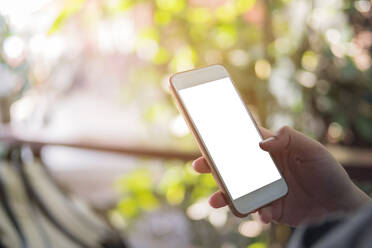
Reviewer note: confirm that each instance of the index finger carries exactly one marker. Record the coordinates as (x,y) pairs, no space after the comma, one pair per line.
(201,165)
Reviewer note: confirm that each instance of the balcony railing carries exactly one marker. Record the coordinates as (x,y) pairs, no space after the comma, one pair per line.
(356,161)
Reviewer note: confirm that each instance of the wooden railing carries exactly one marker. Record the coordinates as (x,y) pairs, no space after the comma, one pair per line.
(357,162)
(7,136)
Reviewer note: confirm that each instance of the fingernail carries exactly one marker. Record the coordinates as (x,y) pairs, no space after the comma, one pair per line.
(268,140)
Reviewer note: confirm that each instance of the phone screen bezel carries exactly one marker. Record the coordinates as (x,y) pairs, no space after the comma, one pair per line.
(253,200)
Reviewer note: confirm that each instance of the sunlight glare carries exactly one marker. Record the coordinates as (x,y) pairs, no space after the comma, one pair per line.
(13,47)
(218,217)
(179,127)
(250,228)
(198,210)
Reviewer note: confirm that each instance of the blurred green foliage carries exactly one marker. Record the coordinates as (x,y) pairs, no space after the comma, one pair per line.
(178,185)
(70,7)
(308,74)
(302,63)
(305,71)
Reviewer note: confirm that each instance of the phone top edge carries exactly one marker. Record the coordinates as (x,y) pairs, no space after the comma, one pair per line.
(186,79)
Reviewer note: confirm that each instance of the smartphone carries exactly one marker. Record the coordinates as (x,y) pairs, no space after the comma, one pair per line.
(228,138)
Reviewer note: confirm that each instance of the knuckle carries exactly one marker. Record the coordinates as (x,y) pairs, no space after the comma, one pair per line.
(285,133)
(284,130)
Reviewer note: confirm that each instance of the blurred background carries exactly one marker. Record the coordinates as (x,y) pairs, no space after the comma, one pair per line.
(85,83)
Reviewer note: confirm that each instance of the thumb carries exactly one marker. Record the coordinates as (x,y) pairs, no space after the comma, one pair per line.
(282,140)
(288,138)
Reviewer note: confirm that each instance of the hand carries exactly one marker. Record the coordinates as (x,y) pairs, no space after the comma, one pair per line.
(317,184)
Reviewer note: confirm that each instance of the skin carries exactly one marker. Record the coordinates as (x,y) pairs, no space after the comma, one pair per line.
(317,184)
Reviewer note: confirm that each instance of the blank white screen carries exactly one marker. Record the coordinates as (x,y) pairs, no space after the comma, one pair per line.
(230,136)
